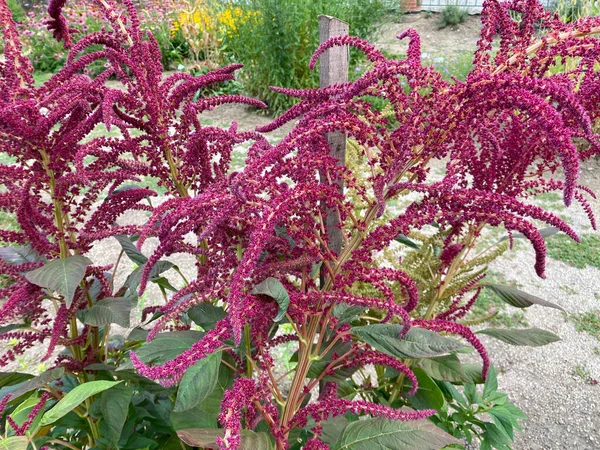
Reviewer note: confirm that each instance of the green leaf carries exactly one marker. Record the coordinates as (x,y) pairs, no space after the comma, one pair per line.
(114,405)
(451,392)
(160,267)
(206,437)
(14,443)
(385,434)
(533,337)
(272,287)
(418,342)
(346,313)
(428,395)
(496,437)
(491,383)
(206,315)
(38,382)
(406,241)
(317,367)
(470,391)
(11,378)
(74,398)
(131,250)
(518,298)
(333,429)
(107,311)
(198,382)
(205,414)
(19,255)
(165,347)
(473,373)
(61,275)
(503,420)
(444,368)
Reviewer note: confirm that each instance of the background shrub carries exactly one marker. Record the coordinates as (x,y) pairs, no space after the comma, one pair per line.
(275,38)
(452,15)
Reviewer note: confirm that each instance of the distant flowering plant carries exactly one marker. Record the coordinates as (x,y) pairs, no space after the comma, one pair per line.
(266,272)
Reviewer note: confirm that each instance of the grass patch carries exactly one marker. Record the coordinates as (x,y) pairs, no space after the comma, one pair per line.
(568,290)
(586,253)
(587,322)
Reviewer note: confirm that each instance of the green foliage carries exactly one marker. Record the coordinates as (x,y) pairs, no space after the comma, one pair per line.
(61,275)
(588,322)
(452,15)
(580,255)
(418,343)
(533,337)
(18,13)
(277,37)
(457,64)
(485,414)
(273,288)
(385,433)
(571,10)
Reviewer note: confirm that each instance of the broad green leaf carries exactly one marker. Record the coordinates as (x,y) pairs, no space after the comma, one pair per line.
(19,255)
(346,313)
(473,373)
(132,283)
(497,438)
(130,250)
(406,241)
(418,342)
(272,287)
(74,398)
(503,420)
(38,382)
(160,267)
(14,443)
(428,395)
(198,382)
(114,405)
(107,311)
(443,368)
(61,275)
(12,327)
(165,347)
(450,392)
(518,298)
(206,315)
(12,378)
(385,434)
(137,334)
(205,414)
(533,337)
(315,269)
(206,438)
(333,429)
(317,367)
(491,383)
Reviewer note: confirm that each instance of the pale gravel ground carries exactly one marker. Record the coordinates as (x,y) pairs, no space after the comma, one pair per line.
(563,409)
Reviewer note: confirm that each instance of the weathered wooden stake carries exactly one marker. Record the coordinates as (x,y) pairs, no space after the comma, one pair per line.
(333,69)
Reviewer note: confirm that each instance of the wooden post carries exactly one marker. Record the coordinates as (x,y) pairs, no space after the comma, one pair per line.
(333,68)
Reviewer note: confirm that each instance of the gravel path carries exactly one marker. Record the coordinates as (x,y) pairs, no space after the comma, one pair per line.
(563,406)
